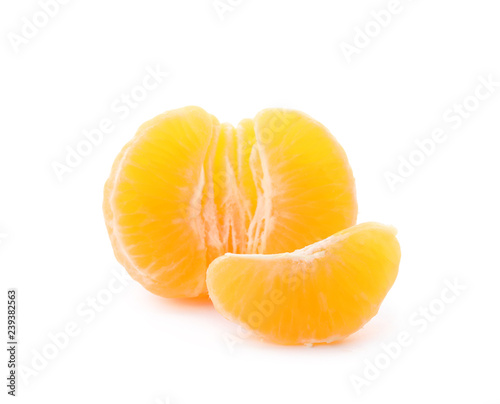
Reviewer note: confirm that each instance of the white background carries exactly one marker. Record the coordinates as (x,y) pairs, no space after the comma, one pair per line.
(286,53)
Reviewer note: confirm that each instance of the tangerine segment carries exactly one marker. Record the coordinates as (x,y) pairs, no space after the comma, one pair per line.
(187,190)
(318,294)
(307,191)
(152,203)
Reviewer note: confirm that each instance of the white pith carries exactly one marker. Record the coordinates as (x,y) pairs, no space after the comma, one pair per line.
(217,237)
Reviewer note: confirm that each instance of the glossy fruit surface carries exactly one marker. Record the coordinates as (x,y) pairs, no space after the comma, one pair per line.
(318,294)
(187,189)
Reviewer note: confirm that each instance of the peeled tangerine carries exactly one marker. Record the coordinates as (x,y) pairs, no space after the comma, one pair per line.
(319,294)
(187,189)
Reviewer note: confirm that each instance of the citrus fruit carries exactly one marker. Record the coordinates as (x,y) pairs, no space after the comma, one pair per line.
(187,189)
(319,294)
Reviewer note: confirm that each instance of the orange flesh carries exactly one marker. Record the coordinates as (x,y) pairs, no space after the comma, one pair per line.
(319,294)
(186,189)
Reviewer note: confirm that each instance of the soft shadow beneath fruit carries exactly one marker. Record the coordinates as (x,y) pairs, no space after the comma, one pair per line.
(191,302)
